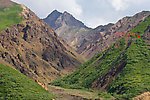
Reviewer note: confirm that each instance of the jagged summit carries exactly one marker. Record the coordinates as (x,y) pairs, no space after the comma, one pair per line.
(66,26)
(57,19)
(55,12)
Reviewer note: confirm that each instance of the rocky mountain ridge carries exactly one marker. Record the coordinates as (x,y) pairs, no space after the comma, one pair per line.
(89,42)
(98,41)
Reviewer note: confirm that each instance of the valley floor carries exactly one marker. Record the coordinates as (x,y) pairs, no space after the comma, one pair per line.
(74,94)
(71,94)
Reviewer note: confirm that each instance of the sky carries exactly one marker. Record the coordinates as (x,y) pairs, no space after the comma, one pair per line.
(91,12)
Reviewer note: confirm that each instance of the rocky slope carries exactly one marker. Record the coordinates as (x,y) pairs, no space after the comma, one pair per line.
(66,26)
(98,41)
(34,49)
(87,47)
(144,96)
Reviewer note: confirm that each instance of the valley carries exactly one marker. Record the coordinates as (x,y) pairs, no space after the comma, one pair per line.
(60,58)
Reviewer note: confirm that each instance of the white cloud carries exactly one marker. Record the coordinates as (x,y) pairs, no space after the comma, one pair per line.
(119,4)
(94,22)
(44,7)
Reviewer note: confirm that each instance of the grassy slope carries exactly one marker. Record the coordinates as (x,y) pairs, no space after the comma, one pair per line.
(133,80)
(91,70)
(9,16)
(16,86)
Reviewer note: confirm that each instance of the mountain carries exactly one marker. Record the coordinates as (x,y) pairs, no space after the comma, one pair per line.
(66,26)
(16,86)
(57,19)
(102,37)
(121,70)
(32,47)
(90,42)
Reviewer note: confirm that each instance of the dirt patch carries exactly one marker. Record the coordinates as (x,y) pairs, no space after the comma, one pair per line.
(70,94)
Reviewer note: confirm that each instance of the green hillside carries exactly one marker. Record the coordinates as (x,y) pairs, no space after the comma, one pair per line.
(9,16)
(135,79)
(16,86)
(131,78)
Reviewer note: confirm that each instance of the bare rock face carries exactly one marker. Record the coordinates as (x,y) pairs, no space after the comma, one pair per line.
(66,26)
(144,96)
(57,19)
(98,41)
(34,49)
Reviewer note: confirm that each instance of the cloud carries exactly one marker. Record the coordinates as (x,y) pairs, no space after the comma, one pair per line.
(119,4)
(44,7)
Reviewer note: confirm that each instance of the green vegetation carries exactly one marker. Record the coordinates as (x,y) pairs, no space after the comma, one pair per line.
(132,81)
(16,86)
(9,16)
(139,29)
(84,76)
(105,95)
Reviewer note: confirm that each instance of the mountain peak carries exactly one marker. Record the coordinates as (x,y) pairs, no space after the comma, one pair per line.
(66,13)
(67,27)
(52,17)
(67,16)
(55,13)
(56,19)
